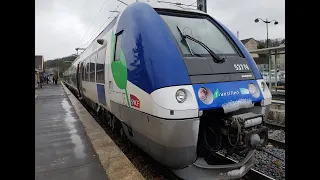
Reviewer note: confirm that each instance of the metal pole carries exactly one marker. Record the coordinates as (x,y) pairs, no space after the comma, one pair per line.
(202,5)
(276,67)
(267,33)
(199,5)
(270,83)
(269,56)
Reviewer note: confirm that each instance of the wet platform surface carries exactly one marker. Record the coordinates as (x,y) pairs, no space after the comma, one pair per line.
(62,149)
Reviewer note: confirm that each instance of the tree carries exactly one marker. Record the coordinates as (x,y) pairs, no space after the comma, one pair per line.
(62,63)
(272,43)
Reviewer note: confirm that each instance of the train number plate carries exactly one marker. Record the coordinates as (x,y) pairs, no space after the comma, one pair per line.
(241,67)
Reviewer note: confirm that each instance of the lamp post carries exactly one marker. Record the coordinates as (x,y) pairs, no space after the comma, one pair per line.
(275,23)
(267,22)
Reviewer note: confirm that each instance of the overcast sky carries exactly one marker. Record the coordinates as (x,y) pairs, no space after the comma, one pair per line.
(61,25)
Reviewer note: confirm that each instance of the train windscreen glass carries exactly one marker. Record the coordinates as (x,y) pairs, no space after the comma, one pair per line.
(203,30)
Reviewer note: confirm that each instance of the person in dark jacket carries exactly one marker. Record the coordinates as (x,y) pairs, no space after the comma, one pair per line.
(41,81)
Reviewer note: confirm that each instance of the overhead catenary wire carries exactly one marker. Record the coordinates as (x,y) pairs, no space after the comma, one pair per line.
(177,3)
(123,2)
(93,21)
(95,34)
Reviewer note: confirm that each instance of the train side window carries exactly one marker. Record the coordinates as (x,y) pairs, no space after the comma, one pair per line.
(100,65)
(87,69)
(73,69)
(82,71)
(118,47)
(93,60)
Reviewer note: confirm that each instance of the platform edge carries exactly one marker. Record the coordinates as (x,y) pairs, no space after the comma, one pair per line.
(113,160)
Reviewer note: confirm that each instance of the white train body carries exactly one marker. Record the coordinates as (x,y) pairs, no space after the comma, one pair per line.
(138,73)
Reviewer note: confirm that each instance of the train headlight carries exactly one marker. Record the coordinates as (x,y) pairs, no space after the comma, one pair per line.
(253,89)
(202,93)
(181,95)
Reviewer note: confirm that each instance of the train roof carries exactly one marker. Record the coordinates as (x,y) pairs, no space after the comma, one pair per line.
(154,5)
(168,6)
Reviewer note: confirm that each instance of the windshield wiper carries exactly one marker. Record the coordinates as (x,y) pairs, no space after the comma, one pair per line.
(186,43)
(215,57)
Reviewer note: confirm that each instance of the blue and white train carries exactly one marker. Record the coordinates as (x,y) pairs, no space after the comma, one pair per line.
(179,84)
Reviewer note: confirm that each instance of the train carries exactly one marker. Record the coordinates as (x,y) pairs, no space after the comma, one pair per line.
(179,85)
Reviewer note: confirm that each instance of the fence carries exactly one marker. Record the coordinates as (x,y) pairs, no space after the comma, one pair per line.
(271,63)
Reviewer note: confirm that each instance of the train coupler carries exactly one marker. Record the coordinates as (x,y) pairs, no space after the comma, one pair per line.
(245,132)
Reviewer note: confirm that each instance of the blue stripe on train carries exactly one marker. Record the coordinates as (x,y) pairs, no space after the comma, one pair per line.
(225,92)
(101,94)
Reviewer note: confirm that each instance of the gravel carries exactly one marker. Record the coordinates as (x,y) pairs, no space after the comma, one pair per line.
(266,163)
(270,165)
(150,169)
(277,135)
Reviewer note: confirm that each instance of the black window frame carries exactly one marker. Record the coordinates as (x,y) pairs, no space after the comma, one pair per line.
(87,69)
(92,68)
(197,16)
(117,50)
(81,67)
(99,71)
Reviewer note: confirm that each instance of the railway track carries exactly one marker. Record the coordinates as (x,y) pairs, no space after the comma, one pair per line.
(275,126)
(279,97)
(252,174)
(256,175)
(156,170)
(276,143)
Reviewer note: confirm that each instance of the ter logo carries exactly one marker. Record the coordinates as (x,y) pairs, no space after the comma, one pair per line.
(135,102)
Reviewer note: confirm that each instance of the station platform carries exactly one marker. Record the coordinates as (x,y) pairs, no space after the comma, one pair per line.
(70,144)
(62,149)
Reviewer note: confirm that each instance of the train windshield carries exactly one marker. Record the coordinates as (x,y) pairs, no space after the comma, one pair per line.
(201,29)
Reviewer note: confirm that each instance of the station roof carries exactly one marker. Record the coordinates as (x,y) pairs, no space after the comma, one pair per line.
(267,50)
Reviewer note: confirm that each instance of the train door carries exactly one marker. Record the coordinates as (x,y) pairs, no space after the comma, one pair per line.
(77,77)
(80,78)
(115,81)
(101,71)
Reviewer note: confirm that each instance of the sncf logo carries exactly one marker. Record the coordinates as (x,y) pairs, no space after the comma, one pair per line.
(135,102)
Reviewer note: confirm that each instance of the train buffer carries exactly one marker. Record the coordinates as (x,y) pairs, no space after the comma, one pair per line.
(69,144)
